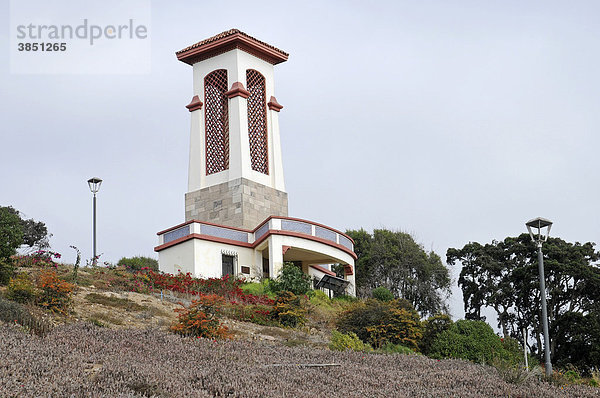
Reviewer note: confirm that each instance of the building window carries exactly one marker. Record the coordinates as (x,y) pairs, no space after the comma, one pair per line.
(216,113)
(257,121)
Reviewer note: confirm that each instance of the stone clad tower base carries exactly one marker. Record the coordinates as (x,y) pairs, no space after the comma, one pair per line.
(239,203)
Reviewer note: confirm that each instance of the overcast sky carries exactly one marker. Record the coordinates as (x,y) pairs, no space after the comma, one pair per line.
(455,121)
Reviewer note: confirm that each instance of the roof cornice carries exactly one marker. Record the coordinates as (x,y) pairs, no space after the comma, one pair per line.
(227,41)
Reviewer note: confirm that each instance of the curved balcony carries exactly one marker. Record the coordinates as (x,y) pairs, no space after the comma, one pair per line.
(251,238)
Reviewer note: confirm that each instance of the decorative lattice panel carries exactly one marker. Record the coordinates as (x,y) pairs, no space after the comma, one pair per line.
(217,121)
(257,121)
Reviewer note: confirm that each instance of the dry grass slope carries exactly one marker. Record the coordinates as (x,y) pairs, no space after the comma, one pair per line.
(87,361)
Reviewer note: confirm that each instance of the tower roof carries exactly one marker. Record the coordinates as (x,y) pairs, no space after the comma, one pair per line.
(227,41)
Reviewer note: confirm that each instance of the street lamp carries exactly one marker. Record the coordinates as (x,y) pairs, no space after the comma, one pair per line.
(94,184)
(535,228)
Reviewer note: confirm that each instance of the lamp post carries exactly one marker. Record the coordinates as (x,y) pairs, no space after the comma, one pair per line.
(535,228)
(94,184)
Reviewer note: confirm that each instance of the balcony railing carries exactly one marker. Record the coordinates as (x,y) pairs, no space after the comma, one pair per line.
(243,236)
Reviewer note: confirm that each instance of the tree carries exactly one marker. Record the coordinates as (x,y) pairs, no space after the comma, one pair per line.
(394,260)
(11,232)
(504,276)
(292,279)
(33,233)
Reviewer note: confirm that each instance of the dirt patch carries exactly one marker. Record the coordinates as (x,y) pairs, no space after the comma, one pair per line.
(122,309)
(289,337)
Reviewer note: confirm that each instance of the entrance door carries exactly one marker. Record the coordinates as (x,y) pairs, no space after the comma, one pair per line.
(227,262)
(265,267)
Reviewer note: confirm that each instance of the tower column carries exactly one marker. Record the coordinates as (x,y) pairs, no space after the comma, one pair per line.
(197,166)
(239,145)
(275,255)
(275,147)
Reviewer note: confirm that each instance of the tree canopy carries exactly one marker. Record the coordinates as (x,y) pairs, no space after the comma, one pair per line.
(11,232)
(394,260)
(16,231)
(504,276)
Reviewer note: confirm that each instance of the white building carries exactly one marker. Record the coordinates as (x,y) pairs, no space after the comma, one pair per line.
(236,206)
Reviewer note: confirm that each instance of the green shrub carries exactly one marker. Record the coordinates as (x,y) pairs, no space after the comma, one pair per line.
(594,380)
(378,323)
(21,289)
(138,263)
(510,372)
(390,348)
(432,328)
(471,340)
(350,341)
(382,294)
(345,299)
(291,279)
(288,310)
(319,299)
(7,270)
(512,352)
(258,288)
(12,312)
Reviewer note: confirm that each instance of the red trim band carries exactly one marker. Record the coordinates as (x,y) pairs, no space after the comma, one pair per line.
(257,242)
(257,228)
(323,270)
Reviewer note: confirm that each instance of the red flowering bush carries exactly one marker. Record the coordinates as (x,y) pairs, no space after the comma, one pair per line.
(227,287)
(201,318)
(255,313)
(39,258)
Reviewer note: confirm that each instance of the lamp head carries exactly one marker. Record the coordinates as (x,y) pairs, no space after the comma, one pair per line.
(535,228)
(94,184)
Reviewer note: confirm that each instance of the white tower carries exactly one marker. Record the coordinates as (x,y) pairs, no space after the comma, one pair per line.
(236,207)
(235,169)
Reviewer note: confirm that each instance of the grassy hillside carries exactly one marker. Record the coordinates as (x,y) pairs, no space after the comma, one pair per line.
(85,360)
(108,335)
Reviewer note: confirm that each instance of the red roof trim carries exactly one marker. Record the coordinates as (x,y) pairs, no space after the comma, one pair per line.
(175,227)
(227,41)
(323,270)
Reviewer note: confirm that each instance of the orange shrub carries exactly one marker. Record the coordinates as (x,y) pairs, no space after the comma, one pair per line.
(201,318)
(55,293)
